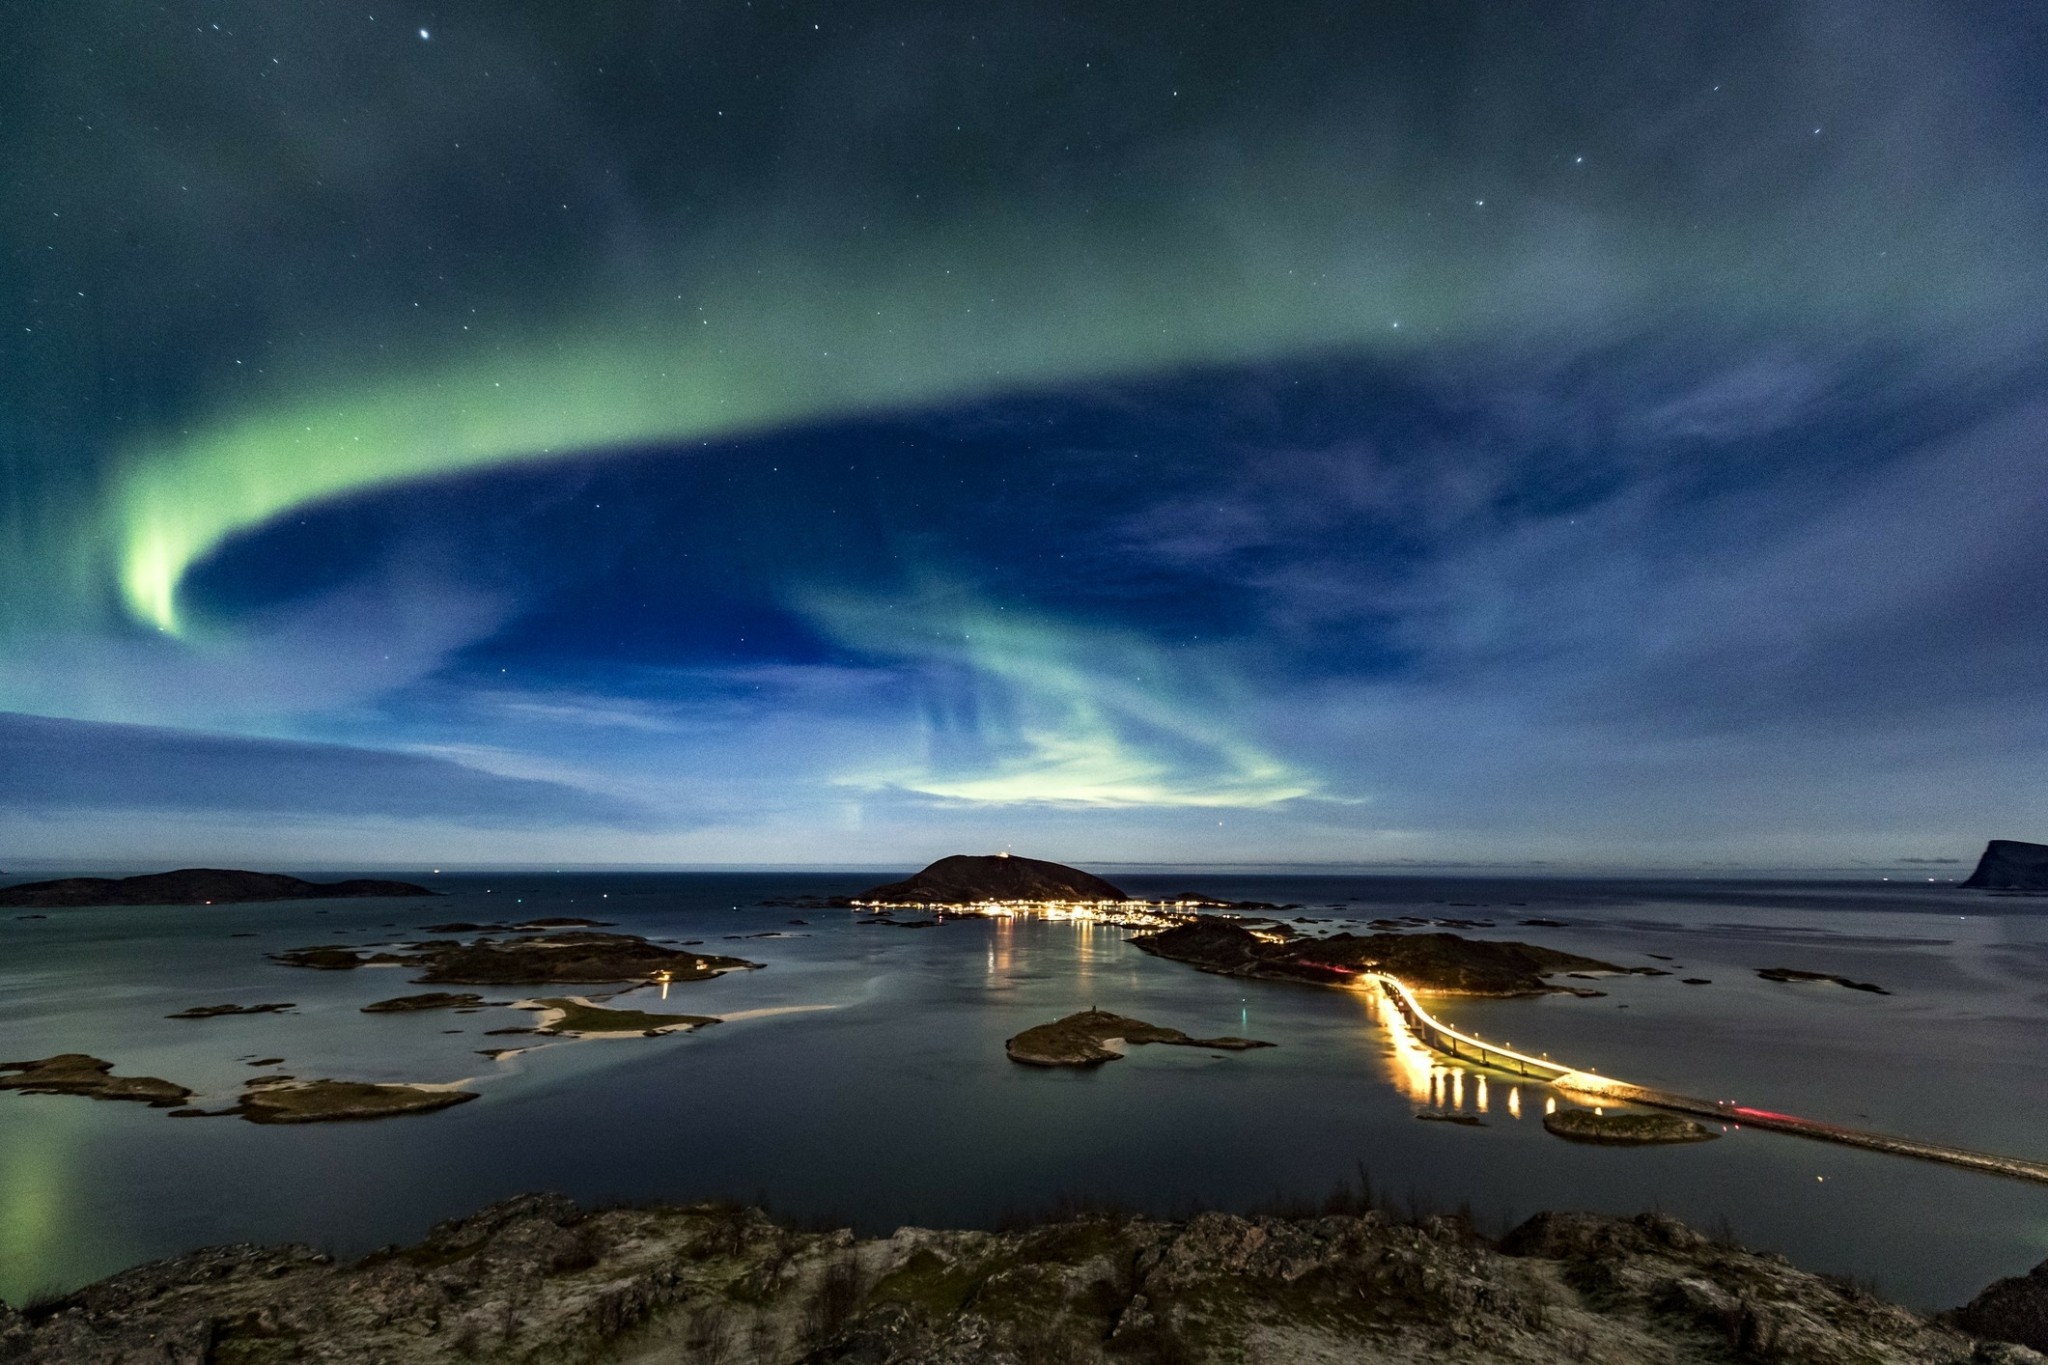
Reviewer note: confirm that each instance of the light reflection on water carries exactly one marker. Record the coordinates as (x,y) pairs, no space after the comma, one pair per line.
(898,1107)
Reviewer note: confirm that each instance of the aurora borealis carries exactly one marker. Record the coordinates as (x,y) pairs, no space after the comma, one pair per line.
(752,432)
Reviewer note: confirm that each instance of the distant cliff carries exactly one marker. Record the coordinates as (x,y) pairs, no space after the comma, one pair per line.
(2010,865)
(194,886)
(964,879)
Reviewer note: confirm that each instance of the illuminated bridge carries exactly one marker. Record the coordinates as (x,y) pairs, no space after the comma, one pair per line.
(1444,1039)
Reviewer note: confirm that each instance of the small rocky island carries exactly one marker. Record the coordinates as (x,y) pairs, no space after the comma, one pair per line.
(1625,1129)
(575,958)
(194,886)
(223,1011)
(1083,1040)
(2011,865)
(284,1100)
(1794,975)
(431,1000)
(965,879)
(1443,963)
(575,1017)
(538,1279)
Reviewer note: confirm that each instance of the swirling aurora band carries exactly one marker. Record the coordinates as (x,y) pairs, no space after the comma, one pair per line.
(740,369)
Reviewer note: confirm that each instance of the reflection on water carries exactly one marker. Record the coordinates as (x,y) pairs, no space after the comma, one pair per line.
(1428,1078)
(1413,1066)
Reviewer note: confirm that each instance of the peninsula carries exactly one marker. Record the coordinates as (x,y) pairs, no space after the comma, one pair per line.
(193,886)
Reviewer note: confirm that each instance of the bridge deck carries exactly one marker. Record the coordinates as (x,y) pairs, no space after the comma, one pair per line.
(1466,1048)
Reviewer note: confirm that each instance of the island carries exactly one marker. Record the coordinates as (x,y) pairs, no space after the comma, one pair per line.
(1626,1129)
(75,1073)
(431,1000)
(1793,974)
(576,958)
(283,1100)
(1442,963)
(966,879)
(1083,1040)
(2010,865)
(221,1011)
(194,886)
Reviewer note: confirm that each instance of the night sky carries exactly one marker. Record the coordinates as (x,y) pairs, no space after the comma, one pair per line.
(1587,435)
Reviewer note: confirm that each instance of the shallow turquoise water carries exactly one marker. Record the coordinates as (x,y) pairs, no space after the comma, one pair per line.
(894,1104)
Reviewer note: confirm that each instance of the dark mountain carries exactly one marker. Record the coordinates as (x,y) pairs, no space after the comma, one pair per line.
(194,886)
(2011,865)
(965,879)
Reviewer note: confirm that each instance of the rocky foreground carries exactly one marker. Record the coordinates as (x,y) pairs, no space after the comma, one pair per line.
(535,1279)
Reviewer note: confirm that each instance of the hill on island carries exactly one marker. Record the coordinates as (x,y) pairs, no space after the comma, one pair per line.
(194,886)
(964,879)
(2011,865)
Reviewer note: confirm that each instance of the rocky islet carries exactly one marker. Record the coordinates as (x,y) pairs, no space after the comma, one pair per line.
(1083,1040)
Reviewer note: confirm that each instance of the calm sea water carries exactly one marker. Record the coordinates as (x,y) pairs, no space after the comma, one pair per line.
(894,1104)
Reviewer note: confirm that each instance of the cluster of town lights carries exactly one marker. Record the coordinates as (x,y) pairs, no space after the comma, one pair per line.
(1128,914)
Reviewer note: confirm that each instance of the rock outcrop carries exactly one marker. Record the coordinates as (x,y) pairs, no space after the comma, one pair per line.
(964,879)
(535,1279)
(2011,865)
(1428,962)
(2014,1309)
(194,886)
